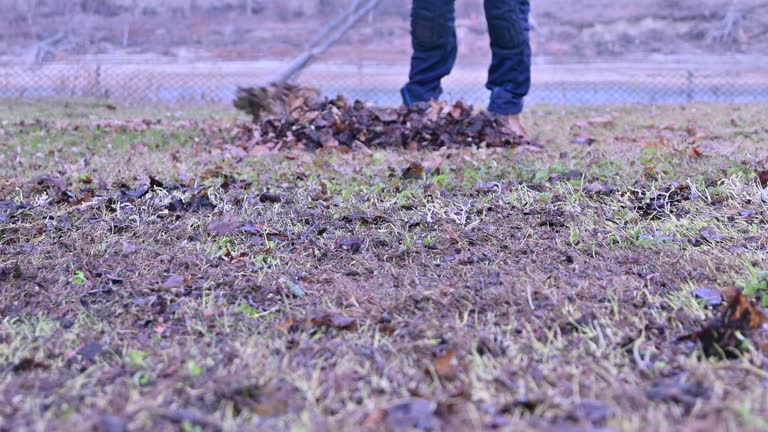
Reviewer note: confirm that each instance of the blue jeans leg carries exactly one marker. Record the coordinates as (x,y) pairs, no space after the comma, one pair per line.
(509,77)
(433,36)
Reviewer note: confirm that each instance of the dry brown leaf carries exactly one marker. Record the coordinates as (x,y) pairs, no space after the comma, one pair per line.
(334,320)
(695,151)
(414,171)
(600,121)
(446,366)
(762,178)
(660,142)
(724,335)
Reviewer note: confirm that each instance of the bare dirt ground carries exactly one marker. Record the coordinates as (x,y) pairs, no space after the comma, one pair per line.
(194,271)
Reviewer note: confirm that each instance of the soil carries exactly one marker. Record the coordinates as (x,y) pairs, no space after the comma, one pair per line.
(199,272)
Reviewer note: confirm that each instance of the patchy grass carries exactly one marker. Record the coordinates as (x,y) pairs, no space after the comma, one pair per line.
(149,282)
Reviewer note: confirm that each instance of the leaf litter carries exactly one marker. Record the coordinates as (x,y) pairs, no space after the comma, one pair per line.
(357,310)
(726,335)
(336,124)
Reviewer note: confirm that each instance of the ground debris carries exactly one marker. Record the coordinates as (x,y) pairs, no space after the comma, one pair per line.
(336,124)
(190,417)
(406,414)
(724,335)
(276,398)
(334,321)
(710,296)
(685,394)
(28,364)
(270,197)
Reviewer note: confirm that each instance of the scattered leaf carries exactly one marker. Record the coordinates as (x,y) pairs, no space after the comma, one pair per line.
(352,244)
(223,227)
(28,364)
(762,178)
(724,335)
(583,139)
(414,171)
(269,197)
(334,321)
(599,121)
(487,187)
(173,281)
(710,234)
(711,296)
(446,365)
(695,151)
(277,398)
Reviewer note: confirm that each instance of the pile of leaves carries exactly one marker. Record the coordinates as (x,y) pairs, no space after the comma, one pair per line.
(312,123)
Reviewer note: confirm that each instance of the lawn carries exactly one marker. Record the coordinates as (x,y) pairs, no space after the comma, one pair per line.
(158,273)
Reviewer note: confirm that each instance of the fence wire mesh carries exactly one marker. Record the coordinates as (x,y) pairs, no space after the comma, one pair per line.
(200,51)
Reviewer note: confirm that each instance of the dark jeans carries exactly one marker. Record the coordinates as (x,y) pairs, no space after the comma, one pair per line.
(433,35)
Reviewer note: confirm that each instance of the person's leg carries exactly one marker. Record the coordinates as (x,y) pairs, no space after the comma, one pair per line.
(509,77)
(433,36)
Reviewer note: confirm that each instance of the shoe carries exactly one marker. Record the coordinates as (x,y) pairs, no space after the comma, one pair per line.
(513,121)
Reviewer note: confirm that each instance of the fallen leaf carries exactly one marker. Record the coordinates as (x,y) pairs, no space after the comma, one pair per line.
(447,366)
(583,139)
(599,121)
(365,219)
(28,364)
(487,187)
(414,171)
(321,194)
(89,352)
(526,404)
(334,321)
(352,244)
(710,234)
(82,200)
(724,334)
(277,398)
(711,296)
(235,151)
(695,151)
(269,197)
(173,281)
(291,325)
(223,227)
(762,178)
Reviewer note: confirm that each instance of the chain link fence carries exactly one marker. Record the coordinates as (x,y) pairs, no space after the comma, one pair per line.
(111,57)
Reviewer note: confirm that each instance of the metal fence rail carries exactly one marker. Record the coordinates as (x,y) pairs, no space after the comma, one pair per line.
(727,79)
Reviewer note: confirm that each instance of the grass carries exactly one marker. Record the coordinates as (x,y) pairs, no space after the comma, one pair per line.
(507,289)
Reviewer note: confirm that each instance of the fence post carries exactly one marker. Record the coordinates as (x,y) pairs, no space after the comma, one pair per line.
(689,87)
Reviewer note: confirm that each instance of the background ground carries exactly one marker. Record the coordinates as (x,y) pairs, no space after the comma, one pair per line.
(157,274)
(223,30)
